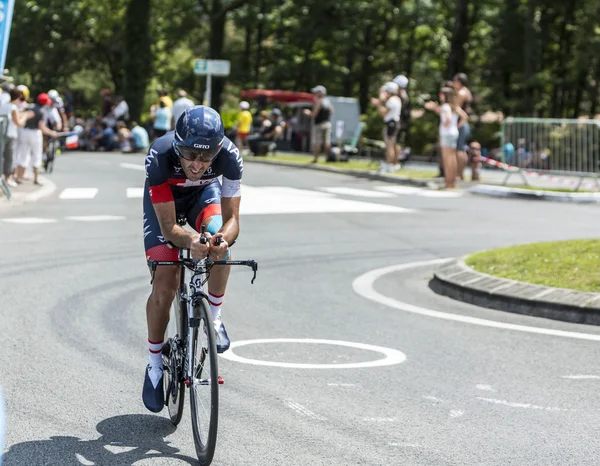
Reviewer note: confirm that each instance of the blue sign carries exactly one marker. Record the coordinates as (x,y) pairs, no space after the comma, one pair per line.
(6,14)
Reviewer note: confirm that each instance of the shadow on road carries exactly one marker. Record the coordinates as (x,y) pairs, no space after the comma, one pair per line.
(124,441)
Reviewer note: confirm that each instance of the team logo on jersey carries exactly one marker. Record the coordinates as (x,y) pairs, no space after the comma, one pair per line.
(177,169)
(211,200)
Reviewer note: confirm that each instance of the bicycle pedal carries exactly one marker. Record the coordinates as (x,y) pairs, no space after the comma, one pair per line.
(221,381)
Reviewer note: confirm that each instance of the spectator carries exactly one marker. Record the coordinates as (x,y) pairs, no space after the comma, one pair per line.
(16,119)
(271,130)
(243,126)
(451,118)
(123,136)
(162,119)
(121,110)
(180,105)
(29,145)
(402,82)
(475,160)
(321,127)
(106,139)
(163,96)
(139,138)
(464,100)
(389,107)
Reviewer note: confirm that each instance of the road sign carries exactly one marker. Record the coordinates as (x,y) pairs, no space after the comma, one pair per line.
(205,67)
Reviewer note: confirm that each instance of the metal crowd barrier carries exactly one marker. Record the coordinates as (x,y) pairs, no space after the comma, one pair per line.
(551,145)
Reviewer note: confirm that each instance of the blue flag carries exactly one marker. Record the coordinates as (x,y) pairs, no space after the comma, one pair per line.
(6,14)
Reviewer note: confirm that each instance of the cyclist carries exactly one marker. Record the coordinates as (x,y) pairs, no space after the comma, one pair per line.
(182,170)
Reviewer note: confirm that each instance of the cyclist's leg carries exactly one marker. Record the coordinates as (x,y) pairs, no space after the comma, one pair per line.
(164,288)
(207,211)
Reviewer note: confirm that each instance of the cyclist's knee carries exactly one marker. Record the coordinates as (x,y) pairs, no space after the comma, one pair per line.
(164,285)
(213,224)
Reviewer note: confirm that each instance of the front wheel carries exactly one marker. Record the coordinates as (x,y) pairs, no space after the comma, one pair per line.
(173,377)
(204,393)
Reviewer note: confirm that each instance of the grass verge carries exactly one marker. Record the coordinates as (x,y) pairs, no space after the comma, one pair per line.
(562,264)
(555,190)
(364,165)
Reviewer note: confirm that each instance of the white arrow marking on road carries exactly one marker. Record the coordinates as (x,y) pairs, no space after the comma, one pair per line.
(456,413)
(135,193)
(363,286)
(485,388)
(357,192)
(29,220)
(78,193)
(133,166)
(521,405)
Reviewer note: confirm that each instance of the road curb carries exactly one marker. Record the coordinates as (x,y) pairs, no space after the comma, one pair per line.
(18,198)
(457,280)
(351,172)
(540,195)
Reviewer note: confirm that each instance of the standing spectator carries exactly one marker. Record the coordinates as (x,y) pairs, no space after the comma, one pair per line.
(29,146)
(389,107)
(451,118)
(121,110)
(321,115)
(464,99)
(475,160)
(163,96)
(16,119)
(107,102)
(180,105)
(402,82)
(244,126)
(162,119)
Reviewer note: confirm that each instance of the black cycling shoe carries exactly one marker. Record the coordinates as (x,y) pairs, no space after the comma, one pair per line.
(154,398)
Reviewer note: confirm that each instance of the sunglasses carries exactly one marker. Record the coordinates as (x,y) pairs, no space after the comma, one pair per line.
(194,155)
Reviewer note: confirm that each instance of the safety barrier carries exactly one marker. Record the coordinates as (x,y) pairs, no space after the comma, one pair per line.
(550,145)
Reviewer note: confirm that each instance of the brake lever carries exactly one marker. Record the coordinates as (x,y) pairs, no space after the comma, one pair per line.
(254,269)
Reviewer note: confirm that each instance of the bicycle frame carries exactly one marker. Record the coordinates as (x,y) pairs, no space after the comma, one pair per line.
(193,290)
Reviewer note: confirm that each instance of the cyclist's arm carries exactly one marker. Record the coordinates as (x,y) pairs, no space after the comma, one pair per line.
(165,212)
(230,210)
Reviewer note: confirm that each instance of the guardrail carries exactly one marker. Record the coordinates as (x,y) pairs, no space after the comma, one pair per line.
(552,145)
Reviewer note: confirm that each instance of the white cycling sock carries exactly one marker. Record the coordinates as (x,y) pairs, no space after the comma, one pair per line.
(215,306)
(155,361)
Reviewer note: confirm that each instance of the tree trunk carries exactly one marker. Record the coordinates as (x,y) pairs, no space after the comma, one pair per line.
(217,41)
(259,39)
(529,58)
(348,84)
(365,72)
(460,36)
(137,65)
(247,45)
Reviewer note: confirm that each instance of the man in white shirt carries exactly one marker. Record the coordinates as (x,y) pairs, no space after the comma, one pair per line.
(180,105)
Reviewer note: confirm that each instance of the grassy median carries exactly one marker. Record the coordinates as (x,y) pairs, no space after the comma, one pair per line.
(365,165)
(564,264)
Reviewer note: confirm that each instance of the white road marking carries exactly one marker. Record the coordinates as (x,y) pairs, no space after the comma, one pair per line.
(341,385)
(521,405)
(485,388)
(78,193)
(270,200)
(392,356)
(581,377)
(399,189)
(456,413)
(298,408)
(409,445)
(363,286)
(95,218)
(431,193)
(379,419)
(356,192)
(133,166)
(135,193)
(29,220)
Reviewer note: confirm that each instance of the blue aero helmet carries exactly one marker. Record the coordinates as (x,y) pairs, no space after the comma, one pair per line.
(199,134)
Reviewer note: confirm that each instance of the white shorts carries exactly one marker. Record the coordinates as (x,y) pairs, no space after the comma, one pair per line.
(29,148)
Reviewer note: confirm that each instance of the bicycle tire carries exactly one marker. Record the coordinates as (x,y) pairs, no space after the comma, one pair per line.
(174,379)
(205,451)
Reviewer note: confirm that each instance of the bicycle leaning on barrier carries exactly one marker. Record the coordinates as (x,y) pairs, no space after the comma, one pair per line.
(190,352)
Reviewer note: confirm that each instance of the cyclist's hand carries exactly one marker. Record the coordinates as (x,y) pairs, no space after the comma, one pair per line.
(199,250)
(55,135)
(218,252)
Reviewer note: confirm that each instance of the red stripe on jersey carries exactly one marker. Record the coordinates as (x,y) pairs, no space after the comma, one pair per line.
(161,193)
(177,180)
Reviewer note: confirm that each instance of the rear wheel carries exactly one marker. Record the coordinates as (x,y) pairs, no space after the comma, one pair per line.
(204,393)
(173,378)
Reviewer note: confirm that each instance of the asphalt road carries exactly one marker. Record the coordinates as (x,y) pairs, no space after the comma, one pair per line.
(464,385)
